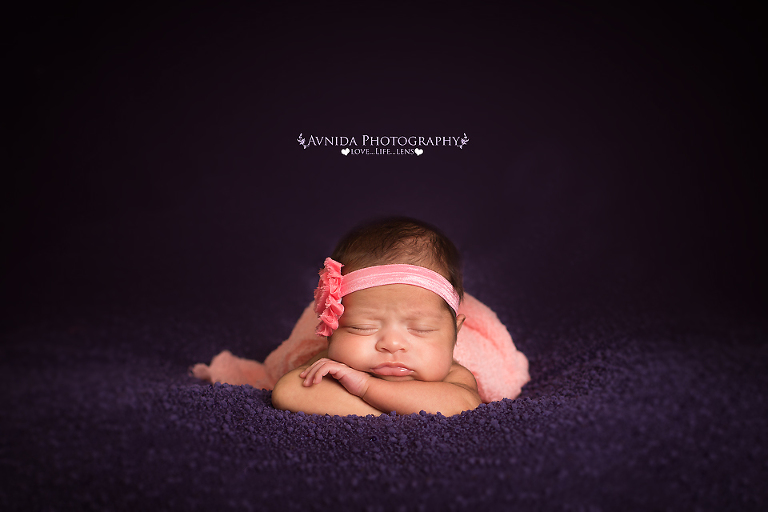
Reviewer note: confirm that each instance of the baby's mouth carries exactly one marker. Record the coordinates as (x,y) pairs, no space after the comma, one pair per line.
(392,369)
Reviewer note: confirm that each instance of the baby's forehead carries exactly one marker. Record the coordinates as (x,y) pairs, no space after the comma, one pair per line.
(402,299)
(422,311)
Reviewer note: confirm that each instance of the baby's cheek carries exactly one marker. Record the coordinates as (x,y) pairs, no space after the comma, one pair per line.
(341,350)
(333,352)
(446,366)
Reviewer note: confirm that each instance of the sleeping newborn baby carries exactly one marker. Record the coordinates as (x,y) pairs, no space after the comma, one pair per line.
(391,342)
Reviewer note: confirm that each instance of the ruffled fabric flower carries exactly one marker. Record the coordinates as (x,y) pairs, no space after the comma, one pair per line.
(328,298)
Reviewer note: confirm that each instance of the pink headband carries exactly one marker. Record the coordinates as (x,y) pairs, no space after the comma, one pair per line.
(333,286)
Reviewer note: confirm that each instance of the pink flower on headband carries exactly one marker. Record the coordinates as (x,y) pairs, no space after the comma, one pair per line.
(328,298)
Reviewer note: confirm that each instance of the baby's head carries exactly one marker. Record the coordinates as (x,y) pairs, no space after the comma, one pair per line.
(399,316)
(400,240)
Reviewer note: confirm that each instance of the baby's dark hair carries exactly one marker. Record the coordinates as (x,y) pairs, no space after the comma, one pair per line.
(400,240)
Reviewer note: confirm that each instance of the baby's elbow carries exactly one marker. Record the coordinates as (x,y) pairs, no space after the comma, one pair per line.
(472,404)
(458,405)
(467,405)
(467,399)
(277,397)
(284,396)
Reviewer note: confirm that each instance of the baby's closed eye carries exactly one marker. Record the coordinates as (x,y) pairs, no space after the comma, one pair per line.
(361,329)
(421,330)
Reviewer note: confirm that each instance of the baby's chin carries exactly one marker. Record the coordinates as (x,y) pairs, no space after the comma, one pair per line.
(395,378)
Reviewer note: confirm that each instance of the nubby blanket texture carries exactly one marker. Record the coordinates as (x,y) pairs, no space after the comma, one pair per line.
(627,409)
(484,346)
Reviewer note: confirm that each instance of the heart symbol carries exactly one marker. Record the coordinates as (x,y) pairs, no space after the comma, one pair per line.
(345,151)
(418,151)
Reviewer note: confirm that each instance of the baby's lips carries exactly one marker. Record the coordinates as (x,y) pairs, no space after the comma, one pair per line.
(392,370)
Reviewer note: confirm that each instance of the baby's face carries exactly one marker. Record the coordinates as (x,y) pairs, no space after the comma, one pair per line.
(396,332)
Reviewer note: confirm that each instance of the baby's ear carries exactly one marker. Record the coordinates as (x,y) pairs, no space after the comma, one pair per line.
(459,322)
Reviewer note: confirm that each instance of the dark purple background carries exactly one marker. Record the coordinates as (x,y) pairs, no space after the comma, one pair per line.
(153,152)
(157,207)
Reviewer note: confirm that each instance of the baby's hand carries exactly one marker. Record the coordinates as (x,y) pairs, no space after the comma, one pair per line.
(355,381)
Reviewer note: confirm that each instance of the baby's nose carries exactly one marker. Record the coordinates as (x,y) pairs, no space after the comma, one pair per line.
(391,341)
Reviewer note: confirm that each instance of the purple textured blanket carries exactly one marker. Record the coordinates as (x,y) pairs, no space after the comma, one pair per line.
(637,412)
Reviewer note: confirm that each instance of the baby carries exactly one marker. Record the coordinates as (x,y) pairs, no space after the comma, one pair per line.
(390,344)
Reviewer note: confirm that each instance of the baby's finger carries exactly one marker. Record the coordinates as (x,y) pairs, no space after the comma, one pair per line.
(315,373)
(309,368)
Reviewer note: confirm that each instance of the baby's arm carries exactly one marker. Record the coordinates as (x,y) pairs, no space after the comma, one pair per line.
(326,397)
(456,393)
